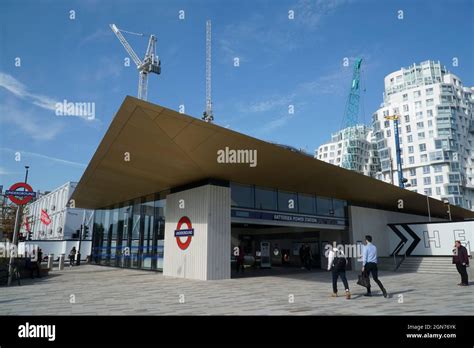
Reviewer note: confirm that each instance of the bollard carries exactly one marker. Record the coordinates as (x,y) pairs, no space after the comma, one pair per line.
(61,261)
(50,261)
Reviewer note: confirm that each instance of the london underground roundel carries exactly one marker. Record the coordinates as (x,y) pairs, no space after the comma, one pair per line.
(184,233)
(20,197)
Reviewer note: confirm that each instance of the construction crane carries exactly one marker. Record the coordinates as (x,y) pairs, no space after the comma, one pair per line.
(207,115)
(401,180)
(350,119)
(150,64)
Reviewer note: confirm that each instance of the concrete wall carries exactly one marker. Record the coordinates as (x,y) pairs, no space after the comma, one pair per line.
(367,221)
(436,239)
(208,255)
(64,220)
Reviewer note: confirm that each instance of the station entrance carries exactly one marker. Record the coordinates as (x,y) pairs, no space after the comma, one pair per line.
(272,250)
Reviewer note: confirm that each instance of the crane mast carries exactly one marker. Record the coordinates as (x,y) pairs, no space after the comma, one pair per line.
(398,150)
(150,64)
(350,119)
(207,115)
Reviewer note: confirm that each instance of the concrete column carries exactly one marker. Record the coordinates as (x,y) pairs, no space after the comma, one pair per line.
(50,261)
(206,254)
(61,261)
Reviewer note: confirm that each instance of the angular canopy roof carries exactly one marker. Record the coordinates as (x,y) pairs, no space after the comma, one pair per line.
(168,149)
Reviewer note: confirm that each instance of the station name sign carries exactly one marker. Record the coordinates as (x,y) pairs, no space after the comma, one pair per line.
(250,214)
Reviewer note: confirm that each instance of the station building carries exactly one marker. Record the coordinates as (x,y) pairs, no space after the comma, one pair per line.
(176,194)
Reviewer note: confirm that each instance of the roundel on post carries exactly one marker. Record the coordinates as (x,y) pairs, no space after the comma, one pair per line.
(184,233)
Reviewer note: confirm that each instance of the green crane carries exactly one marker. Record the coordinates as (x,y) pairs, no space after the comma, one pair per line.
(351,114)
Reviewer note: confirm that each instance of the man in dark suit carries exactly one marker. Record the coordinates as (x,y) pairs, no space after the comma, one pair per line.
(461,260)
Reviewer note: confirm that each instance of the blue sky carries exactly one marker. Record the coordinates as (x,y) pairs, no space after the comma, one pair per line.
(282,62)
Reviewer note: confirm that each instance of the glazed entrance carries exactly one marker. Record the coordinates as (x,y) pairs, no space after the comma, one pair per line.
(275,249)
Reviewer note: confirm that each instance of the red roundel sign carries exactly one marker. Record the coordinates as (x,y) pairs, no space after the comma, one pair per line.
(182,232)
(20,197)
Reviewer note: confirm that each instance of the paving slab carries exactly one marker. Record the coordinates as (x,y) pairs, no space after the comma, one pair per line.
(99,290)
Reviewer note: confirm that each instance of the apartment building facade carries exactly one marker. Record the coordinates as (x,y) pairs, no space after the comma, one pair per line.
(364,157)
(436,132)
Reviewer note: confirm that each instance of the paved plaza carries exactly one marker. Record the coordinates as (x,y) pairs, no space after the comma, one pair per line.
(98,290)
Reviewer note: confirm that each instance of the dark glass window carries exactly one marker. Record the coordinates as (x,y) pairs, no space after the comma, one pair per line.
(242,195)
(324,206)
(135,241)
(115,218)
(160,208)
(339,207)
(126,218)
(149,226)
(107,236)
(265,198)
(306,204)
(287,201)
(98,236)
(131,234)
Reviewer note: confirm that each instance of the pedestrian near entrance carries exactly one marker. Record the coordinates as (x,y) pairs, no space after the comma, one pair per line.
(337,265)
(72,256)
(302,255)
(240,260)
(308,258)
(38,262)
(461,260)
(369,264)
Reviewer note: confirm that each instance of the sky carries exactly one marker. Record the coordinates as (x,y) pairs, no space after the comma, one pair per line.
(49,54)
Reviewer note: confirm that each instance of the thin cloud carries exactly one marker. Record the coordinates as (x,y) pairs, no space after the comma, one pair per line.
(97,36)
(310,13)
(27,122)
(49,158)
(335,82)
(4,171)
(270,104)
(237,38)
(17,88)
(275,124)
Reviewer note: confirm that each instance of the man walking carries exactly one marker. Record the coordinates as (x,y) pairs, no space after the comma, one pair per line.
(337,264)
(461,260)
(369,264)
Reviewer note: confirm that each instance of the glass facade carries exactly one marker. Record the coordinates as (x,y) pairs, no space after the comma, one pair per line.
(254,197)
(265,198)
(131,234)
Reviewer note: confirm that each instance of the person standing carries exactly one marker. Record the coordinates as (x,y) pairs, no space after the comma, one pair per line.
(240,260)
(369,264)
(337,264)
(308,258)
(72,256)
(38,261)
(302,254)
(461,260)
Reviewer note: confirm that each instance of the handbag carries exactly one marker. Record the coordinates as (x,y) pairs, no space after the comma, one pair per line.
(363,280)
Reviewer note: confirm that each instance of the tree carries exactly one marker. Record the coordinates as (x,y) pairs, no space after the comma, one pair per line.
(7,218)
